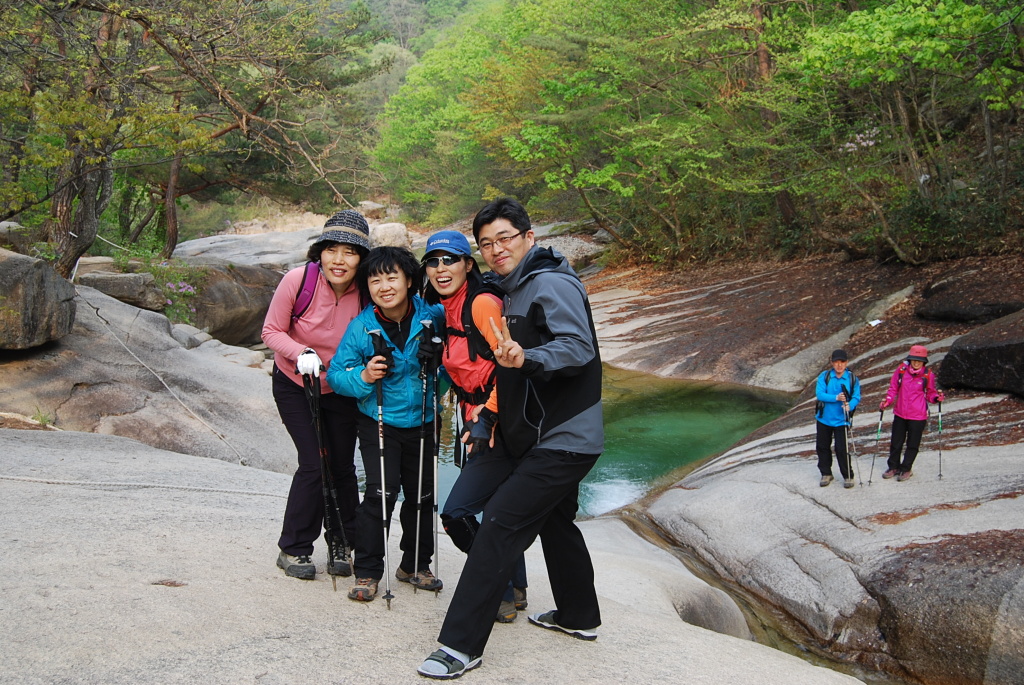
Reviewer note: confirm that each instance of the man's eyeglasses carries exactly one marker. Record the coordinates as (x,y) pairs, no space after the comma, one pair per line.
(503,242)
(446,259)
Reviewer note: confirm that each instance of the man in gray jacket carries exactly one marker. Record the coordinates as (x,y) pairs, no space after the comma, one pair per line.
(550,419)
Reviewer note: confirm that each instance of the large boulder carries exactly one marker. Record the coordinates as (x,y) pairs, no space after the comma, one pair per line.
(233,302)
(137,289)
(393,234)
(972,292)
(988,358)
(36,305)
(372,210)
(279,250)
(18,238)
(121,372)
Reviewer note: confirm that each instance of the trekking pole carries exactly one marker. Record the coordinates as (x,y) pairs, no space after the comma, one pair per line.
(427,329)
(878,436)
(312,387)
(438,351)
(380,348)
(940,440)
(846,440)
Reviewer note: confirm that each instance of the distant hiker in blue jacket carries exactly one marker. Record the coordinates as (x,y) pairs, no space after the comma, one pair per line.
(838,393)
(389,276)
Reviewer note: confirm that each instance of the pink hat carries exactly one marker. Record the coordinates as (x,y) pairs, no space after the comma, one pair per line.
(918,353)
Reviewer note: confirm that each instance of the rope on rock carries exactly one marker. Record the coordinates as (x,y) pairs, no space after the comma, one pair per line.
(165,486)
(221,436)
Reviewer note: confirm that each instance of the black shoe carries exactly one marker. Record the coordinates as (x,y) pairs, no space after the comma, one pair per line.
(343,566)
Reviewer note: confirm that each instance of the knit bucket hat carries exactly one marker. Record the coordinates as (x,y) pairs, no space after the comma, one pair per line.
(918,353)
(347,226)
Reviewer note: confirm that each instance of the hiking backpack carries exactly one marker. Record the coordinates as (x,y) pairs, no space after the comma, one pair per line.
(819,406)
(478,346)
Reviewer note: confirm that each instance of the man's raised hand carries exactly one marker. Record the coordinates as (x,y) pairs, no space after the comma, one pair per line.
(508,353)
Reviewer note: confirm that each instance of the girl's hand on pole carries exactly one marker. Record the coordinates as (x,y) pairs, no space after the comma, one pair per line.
(375,370)
(508,353)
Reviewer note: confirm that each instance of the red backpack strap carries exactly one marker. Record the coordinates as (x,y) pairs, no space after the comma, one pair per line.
(304,296)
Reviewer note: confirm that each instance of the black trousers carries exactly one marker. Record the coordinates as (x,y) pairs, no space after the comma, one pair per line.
(304,512)
(824,436)
(909,431)
(402,470)
(479,478)
(540,497)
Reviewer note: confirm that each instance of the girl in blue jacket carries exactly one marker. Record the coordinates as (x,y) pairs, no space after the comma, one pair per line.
(838,393)
(389,276)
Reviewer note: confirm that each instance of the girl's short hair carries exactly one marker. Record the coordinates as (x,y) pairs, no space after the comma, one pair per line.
(388,259)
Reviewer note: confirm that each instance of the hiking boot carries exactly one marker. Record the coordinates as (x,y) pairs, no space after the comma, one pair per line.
(297,567)
(519,593)
(891,473)
(904,475)
(364,590)
(442,665)
(547,620)
(825,480)
(506,612)
(848,483)
(343,566)
(424,580)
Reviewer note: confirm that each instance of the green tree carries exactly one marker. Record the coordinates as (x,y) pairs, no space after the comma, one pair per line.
(192,93)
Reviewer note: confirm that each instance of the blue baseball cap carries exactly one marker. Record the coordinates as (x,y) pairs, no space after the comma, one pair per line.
(451,242)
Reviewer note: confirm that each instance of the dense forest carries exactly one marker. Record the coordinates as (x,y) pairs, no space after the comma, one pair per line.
(686,130)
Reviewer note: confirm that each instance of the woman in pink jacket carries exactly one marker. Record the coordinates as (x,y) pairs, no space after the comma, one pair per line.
(911,388)
(303,330)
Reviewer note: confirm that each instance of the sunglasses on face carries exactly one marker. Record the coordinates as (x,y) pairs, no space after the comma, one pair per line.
(446,259)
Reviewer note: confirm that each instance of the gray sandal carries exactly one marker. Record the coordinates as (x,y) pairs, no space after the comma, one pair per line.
(442,665)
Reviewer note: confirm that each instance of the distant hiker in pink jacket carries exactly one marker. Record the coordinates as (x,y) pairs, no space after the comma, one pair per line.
(911,388)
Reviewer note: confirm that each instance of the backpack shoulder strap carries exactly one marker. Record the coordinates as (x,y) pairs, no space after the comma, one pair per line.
(478,346)
(304,296)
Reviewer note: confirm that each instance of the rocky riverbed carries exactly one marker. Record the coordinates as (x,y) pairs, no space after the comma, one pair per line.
(919,580)
(923,580)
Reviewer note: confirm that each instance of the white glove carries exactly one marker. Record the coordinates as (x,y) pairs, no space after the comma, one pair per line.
(308,364)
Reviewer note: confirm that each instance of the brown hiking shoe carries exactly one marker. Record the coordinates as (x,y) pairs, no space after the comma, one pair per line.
(424,580)
(364,590)
(506,612)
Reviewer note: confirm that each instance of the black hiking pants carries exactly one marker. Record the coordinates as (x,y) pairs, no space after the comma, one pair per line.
(909,431)
(824,437)
(401,472)
(540,497)
(479,478)
(304,512)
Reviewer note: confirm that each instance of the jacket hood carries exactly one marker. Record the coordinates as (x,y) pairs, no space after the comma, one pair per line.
(537,260)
